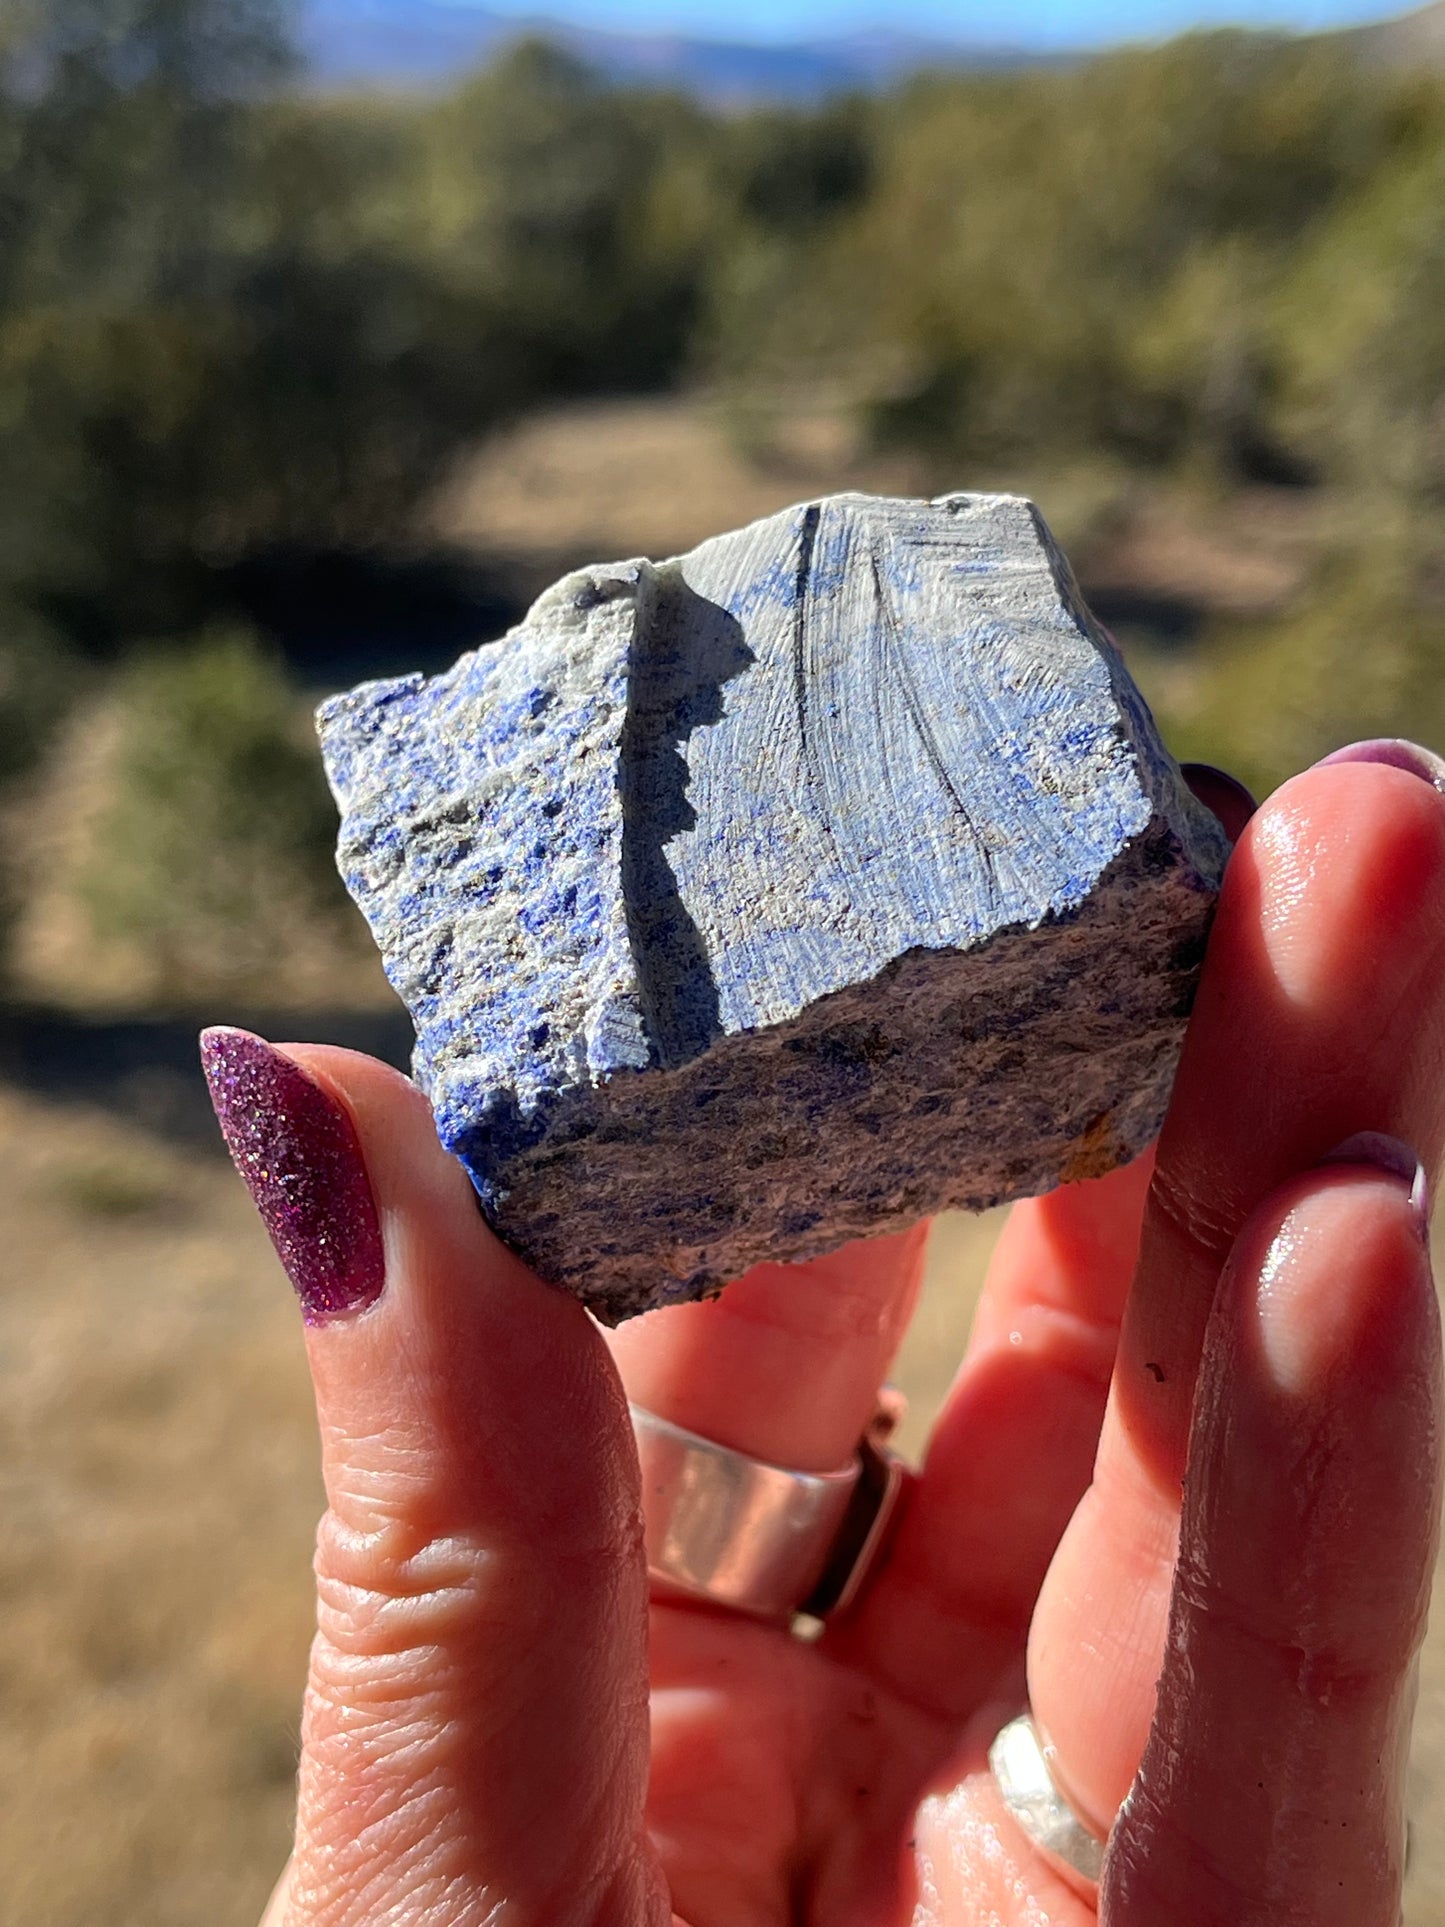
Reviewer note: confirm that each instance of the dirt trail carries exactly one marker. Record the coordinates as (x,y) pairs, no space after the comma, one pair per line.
(653,477)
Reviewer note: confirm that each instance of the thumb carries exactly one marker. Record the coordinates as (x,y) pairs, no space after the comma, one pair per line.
(474,1744)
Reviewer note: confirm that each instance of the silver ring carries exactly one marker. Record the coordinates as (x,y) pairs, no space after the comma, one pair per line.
(1019,1761)
(759,1538)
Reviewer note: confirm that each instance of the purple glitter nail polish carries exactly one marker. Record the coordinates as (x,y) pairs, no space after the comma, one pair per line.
(1391,1155)
(1396,753)
(1222,793)
(296,1149)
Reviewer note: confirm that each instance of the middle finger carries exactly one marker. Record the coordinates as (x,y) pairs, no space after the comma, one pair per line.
(786,1365)
(1320,1016)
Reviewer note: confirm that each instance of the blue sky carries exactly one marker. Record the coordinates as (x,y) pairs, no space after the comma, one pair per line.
(1047,23)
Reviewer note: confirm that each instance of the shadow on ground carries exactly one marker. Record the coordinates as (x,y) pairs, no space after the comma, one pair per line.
(339,617)
(1155,619)
(145,1070)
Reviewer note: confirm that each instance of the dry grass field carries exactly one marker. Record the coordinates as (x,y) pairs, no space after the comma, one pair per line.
(158,1489)
(158,1495)
(652,477)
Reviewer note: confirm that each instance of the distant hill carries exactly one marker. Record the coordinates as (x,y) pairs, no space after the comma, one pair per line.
(1413,40)
(420,43)
(425,43)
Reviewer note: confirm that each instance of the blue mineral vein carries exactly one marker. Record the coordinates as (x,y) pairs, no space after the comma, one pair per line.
(685,802)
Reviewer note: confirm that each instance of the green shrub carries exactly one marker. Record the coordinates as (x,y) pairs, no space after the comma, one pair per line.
(1093,257)
(40,678)
(235,315)
(1360,320)
(1363,655)
(209,855)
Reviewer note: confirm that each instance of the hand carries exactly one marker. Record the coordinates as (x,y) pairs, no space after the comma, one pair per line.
(476,1741)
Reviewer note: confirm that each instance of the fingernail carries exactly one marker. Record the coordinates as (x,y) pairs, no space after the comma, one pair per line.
(1389,1154)
(1217,790)
(1396,753)
(296,1149)
(1316,1307)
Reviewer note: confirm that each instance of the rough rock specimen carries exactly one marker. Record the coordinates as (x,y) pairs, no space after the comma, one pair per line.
(781,893)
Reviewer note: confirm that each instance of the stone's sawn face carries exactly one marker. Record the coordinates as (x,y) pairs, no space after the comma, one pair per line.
(781,893)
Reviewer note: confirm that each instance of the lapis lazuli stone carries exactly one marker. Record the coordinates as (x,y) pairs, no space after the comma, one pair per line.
(781,893)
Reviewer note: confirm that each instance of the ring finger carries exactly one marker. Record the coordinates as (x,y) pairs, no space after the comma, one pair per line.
(786,1365)
(1319,1017)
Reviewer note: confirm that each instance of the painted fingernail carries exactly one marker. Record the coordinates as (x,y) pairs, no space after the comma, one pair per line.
(296,1148)
(1391,1155)
(1396,753)
(1217,790)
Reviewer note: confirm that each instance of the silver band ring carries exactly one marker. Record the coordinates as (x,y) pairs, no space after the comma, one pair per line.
(757,1538)
(1019,1761)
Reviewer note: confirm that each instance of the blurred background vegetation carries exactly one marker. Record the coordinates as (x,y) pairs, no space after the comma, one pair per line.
(299,384)
(251,334)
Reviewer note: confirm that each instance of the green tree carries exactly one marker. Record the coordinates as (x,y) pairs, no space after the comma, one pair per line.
(1084,258)
(540,184)
(1361,327)
(1363,654)
(210,857)
(220,326)
(124,127)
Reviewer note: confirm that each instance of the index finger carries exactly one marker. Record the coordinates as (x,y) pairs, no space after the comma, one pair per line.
(1320,1015)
